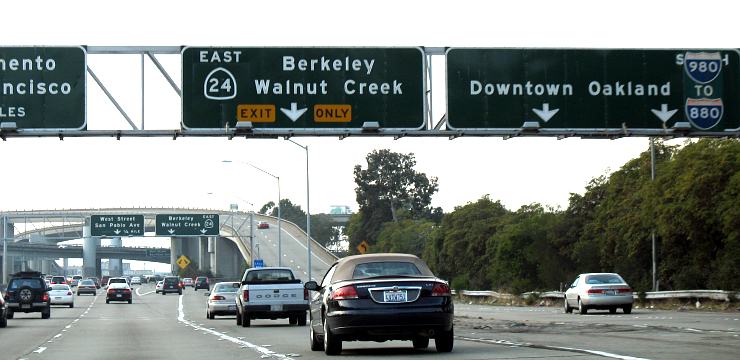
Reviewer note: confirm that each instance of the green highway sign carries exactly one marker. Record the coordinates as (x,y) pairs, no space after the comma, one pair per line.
(158,252)
(43,87)
(187,224)
(306,88)
(117,225)
(583,90)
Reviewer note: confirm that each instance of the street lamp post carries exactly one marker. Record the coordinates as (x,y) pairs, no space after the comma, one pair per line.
(280,231)
(308,210)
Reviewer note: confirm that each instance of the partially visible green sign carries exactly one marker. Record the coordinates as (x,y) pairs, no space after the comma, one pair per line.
(43,87)
(117,225)
(187,224)
(593,89)
(321,88)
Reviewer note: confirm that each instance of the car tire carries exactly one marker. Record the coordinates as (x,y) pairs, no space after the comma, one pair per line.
(292,320)
(582,309)
(71,305)
(45,314)
(612,310)
(107,301)
(627,309)
(11,313)
(420,342)
(445,341)
(567,308)
(3,322)
(316,343)
(302,319)
(164,293)
(246,321)
(332,343)
(179,292)
(130,301)
(238,319)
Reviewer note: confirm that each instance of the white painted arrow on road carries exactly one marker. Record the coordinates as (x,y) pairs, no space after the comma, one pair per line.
(294,112)
(664,114)
(545,113)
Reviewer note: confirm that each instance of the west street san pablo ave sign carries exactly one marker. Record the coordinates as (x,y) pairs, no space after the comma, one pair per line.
(117,225)
(584,90)
(187,224)
(321,88)
(43,87)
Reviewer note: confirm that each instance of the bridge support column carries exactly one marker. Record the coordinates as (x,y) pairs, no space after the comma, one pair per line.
(115,266)
(212,247)
(89,251)
(204,260)
(65,266)
(175,252)
(46,266)
(6,234)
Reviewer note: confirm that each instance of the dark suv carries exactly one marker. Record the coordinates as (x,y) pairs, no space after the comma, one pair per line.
(171,284)
(201,282)
(27,292)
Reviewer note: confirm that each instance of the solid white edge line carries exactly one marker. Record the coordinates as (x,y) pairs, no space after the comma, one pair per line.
(244,344)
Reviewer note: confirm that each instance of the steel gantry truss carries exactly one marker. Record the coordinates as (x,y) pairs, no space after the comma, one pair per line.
(430,128)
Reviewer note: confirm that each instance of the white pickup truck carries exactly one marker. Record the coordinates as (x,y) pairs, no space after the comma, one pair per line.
(271,293)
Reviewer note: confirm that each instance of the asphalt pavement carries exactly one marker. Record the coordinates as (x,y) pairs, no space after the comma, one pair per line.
(176,327)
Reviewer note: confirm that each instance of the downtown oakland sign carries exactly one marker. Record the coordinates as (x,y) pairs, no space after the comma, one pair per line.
(303,88)
(43,87)
(583,90)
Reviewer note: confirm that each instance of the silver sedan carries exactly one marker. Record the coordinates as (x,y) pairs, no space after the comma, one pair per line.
(604,291)
(61,294)
(222,300)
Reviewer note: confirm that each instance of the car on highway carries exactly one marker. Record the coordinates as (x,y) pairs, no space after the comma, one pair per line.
(263,225)
(27,292)
(61,294)
(95,280)
(135,280)
(75,280)
(202,282)
(104,281)
(117,280)
(271,293)
(222,300)
(58,280)
(87,286)
(158,287)
(188,282)
(118,292)
(380,297)
(602,291)
(3,312)
(171,284)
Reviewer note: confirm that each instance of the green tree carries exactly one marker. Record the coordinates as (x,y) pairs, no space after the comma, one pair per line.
(322,227)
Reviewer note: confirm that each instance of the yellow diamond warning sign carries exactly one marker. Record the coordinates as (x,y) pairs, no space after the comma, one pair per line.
(363,247)
(183,261)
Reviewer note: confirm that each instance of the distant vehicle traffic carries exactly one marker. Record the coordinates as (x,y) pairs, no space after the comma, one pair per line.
(135,280)
(118,291)
(222,300)
(58,280)
(87,286)
(61,294)
(202,282)
(380,297)
(95,281)
(27,292)
(75,280)
(117,280)
(171,284)
(263,225)
(188,282)
(271,293)
(603,291)
(158,287)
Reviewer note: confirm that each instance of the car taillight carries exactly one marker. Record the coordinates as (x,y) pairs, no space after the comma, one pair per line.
(441,289)
(305,294)
(111,290)
(595,291)
(217,297)
(624,290)
(45,297)
(344,293)
(126,291)
(245,295)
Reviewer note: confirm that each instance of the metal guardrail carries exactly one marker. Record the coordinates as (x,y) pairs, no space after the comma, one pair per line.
(720,295)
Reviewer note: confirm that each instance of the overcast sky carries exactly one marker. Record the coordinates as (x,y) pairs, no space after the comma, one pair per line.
(82,173)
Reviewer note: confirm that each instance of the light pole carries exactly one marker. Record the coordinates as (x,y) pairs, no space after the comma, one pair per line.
(280,230)
(308,210)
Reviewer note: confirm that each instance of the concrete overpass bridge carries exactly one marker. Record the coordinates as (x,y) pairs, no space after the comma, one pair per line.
(226,254)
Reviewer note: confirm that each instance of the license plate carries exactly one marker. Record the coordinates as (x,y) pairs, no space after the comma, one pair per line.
(394,296)
(118,295)
(278,307)
(57,298)
(232,307)
(26,306)
(611,292)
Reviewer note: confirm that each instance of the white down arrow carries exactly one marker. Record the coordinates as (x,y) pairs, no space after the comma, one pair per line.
(294,112)
(545,113)
(664,114)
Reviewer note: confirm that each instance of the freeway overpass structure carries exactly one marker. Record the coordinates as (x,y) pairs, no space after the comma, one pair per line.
(238,242)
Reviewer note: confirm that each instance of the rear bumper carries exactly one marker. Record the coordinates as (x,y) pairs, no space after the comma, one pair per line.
(87,291)
(226,309)
(390,325)
(116,298)
(64,300)
(606,301)
(265,311)
(33,307)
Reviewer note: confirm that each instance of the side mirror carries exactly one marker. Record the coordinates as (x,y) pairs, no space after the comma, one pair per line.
(312,285)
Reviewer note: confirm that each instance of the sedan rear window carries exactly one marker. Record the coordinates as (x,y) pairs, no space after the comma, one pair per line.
(603,279)
(19,283)
(60,287)
(227,288)
(385,268)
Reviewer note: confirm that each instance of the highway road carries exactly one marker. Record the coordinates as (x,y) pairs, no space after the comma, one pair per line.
(175,327)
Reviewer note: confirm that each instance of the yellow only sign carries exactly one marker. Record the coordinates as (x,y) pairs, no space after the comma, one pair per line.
(183,261)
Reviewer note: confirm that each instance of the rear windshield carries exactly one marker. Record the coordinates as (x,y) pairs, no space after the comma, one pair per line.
(57,278)
(385,268)
(113,281)
(604,279)
(171,280)
(226,288)
(60,287)
(19,283)
(87,282)
(269,275)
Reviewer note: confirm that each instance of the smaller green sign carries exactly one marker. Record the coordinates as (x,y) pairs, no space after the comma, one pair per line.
(187,224)
(117,225)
